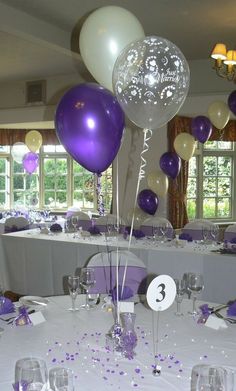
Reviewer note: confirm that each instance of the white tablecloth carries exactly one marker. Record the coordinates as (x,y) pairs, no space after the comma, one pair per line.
(77,340)
(37,264)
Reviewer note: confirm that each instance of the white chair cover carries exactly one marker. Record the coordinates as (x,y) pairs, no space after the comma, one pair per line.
(13,224)
(84,220)
(230,233)
(105,264)
(154,221)
(110,219)
(194,228)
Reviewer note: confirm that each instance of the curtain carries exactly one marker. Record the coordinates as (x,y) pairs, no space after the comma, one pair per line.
(12,136)
(177,193)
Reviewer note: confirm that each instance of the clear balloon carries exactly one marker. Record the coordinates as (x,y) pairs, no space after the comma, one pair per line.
(138,215)
(104,34)
(219,114)
(18,151)
(170,164)
(184,145)
(151,81)
(232,102)
(158,182)
(30,162)
(148,201)
(201,128)
(89,124)
(33,140)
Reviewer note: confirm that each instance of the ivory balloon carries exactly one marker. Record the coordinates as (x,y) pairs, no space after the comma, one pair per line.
(18,151)
(158,182)
(104,34)
(33,140)
(219,114)
(184,145)
(139,217)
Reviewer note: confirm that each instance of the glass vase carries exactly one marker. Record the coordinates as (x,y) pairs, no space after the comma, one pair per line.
(128,336)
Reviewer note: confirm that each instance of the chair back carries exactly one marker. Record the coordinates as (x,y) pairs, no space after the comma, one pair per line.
(102,222)
(106,265)
(84,220)
(13,224)
(230,233)
(156,222)
(195,228)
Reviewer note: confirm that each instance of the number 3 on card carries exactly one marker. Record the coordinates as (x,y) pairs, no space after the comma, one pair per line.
(161,293)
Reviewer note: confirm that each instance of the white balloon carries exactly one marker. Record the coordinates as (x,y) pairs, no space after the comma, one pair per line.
(151,81)
(18,151)
(104,34)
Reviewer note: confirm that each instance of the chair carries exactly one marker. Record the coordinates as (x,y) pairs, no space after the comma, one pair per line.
(230,232)
(13,224)
(195,228)
(110,219)
(157,222)
(105,271)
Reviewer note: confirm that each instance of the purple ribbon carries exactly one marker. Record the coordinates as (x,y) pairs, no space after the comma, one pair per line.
(231,311)
(23,318)
(21,386)
(185,236)
(127,293)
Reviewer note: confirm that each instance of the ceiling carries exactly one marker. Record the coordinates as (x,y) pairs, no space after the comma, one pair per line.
(36,36)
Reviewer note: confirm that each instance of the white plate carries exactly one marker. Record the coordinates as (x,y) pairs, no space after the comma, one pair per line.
(35,301)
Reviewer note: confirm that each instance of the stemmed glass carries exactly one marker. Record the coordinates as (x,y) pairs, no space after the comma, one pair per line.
(31,374)
(73,285)
(61,379)
(185,278)
(163,230)
(211,378)
(196,286)
(205,232)
(180,291)
(74,222)
(214,230)
(87,281)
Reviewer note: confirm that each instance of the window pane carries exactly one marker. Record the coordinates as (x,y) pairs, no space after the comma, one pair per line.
(192,170)
(2,200)
(209,165)
(210,145)
(209,187)
(223,206)
(17,168)
(2,183)
(31,182)
(224,187)
(61,183)
(18,182)
(224,165)
(192,187)
(4,149)
(225,145)
(49,198)
(49,166)
(191,208)
(209,207)
(61,199)
(2,166)
(49,182)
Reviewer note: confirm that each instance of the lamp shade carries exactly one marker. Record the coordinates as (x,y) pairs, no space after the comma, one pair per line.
(231,57)
(219,52)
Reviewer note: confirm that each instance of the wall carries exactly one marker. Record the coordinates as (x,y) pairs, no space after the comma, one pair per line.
(205,87)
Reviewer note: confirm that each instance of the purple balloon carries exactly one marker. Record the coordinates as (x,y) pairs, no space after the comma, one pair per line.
(148,201)
(30,162)
(89,124)
(201,128)
(170,164)
(232,102)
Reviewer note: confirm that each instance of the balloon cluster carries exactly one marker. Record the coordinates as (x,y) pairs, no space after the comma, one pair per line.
(201,129)
(25,153)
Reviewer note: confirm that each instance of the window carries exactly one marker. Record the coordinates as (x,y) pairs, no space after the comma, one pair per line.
(210,182)
(58,182)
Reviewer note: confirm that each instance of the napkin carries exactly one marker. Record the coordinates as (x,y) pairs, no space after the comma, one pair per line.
(94,230)
(6,306)
(56,228)
(215,323)
(185,236)
(127,293)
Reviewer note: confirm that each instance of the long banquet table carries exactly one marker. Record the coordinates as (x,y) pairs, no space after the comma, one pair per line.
(77,340)
(36,264)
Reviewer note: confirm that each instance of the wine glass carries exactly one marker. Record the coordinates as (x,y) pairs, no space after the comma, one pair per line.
(180,291)
(196,286)
(211,378)
(163,230)
(61,379)
(74,222)
(31,374)
(214,230)
(185,278)
(205,232)
(87,281)
(73,285)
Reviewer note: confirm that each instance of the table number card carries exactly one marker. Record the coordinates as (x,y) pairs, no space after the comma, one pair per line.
(161,293)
